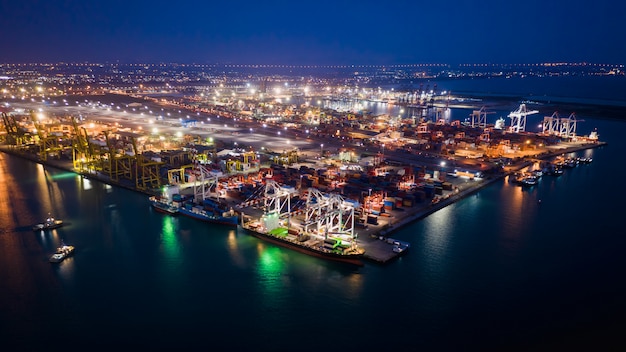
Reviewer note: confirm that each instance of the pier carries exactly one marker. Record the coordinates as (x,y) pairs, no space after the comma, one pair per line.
(375,238)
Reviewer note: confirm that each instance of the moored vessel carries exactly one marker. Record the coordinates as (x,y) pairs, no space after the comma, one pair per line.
(329,248)
(200,212)
(173,203)
(327,230)
(163,205)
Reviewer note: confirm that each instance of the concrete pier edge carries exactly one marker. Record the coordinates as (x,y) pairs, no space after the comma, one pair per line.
(384,232)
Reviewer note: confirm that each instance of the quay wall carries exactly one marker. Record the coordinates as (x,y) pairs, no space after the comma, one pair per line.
(424,211)
(376,251)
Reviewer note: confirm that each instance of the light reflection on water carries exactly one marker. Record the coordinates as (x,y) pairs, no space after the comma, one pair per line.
(494,256)
(170,247)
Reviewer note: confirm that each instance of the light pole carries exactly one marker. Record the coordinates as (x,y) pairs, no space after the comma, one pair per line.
(321,150)
(442,164)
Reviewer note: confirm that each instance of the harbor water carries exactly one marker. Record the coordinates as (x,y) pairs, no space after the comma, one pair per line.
(506,268)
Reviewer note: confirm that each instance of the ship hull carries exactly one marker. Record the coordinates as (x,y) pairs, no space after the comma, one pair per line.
(229,221)
(162,207)
(165,209)
(354,259)
(48,226)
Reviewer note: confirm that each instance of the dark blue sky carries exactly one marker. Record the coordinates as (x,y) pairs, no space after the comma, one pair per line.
(314,32)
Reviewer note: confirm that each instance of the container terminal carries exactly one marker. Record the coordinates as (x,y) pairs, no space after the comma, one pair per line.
(389,171)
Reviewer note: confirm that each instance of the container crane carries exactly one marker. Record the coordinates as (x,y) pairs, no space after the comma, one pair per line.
(479,117)
(518,118)
(16,135)
(146,171)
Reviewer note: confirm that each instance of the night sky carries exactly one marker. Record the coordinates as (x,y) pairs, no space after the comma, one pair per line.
(313,33)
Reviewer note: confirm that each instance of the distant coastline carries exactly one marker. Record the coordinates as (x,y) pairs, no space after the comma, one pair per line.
(609,109)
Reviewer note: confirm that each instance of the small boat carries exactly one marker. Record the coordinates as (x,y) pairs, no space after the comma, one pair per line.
(49,224)
(529,180)
(63,252)
(163,206)
(570,163)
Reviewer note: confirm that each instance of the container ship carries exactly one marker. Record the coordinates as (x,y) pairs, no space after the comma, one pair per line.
(328,248)
(173,203)
(209,211)
(327,230)
(162,205)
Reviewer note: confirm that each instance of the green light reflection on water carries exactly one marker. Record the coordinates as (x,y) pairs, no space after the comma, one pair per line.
(63,175)
(270,269)
(170,245)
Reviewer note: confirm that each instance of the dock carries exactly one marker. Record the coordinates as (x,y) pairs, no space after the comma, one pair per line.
(376,238)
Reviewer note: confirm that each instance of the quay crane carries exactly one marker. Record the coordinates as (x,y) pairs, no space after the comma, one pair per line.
(479,117)
(518,118)
(118,164)
(205,184)
(16,135)
(560,126)
(85,157)
(329,215)
(146,170)
(325,215)
(49,144)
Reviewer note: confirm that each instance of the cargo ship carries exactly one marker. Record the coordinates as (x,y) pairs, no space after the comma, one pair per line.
(163,205)
(205,212)
(327,248)
(208,210)
(327,230)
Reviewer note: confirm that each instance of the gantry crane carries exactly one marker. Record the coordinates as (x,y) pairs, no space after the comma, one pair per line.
(277,200)
(568,126)
(117,166)
(479,117)
(177,176)
(48,144)
(147,174)
(206,183)
(16,135)
(329,215)
(560,126)
(518,118)
(81,154)
(87,155)
(550,124)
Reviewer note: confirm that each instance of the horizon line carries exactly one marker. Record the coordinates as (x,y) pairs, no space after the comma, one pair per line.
(304,66)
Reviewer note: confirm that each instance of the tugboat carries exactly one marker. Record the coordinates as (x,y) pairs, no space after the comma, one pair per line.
(49,224)
(63,252)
